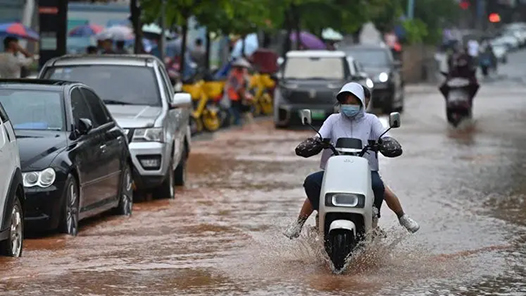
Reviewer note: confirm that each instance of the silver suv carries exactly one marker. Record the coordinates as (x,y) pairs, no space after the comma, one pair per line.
(137,91)
(12,196)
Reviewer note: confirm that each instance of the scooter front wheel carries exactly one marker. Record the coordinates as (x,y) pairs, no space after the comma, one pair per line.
(266,104)
(211,121)
(196,125)
(342,243)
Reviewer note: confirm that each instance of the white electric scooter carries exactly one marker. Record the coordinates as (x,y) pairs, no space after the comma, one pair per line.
(346,199)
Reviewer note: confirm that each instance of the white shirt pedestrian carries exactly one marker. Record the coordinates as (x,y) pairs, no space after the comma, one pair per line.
(473,48)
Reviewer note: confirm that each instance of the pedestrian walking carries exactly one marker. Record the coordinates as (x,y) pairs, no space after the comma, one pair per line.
(11,64)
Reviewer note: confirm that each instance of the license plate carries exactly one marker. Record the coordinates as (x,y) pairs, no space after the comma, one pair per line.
(318,114)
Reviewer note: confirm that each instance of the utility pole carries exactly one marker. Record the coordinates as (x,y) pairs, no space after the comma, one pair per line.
(53,19)
(481,14)
(410,9)
(163,29)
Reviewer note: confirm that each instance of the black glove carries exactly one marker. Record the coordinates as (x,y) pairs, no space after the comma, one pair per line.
(310,147)
(390,147)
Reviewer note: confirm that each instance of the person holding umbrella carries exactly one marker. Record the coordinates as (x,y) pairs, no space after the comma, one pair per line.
(10,64)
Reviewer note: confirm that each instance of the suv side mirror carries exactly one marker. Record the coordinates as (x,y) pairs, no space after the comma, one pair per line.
(306,117)
(181,100)
(394,120)
(84,126)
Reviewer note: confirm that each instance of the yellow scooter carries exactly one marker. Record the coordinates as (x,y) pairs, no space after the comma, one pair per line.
(205,114)
(260,84)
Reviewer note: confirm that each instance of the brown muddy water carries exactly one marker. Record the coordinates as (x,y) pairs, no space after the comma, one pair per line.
(222,233)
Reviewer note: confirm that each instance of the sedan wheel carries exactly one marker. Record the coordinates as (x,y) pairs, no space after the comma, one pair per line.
(13,245)
(70,223)
(126,193)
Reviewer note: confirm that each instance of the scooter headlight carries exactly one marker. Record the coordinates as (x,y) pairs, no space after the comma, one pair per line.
(347,200)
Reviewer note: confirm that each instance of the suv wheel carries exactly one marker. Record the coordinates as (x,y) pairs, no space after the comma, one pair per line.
(12,246)
(70,217)
(166,190)
(180,171)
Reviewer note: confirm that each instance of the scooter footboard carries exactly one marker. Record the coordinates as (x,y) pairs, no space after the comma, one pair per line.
(343,224)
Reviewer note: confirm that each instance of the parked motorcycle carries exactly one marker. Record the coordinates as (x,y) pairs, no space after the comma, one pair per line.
(205,96)
(259,86)
(345,215)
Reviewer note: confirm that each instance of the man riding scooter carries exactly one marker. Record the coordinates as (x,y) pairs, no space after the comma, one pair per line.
(461,65)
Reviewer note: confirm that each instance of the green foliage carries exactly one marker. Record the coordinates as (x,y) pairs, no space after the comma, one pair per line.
(416,31)
(246,16)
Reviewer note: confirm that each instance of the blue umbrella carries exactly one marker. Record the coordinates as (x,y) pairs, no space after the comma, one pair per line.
(18,30)
(251,45)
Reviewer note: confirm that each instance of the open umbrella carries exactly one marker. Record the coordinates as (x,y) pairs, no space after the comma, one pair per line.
(251,45)
(18,30)
(85,30)
(331,34)
(308,40)
(118,33)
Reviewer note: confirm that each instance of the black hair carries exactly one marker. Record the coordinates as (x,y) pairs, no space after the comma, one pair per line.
(91,49)
(198,41)
(366,92)
(341,98)
(8,40)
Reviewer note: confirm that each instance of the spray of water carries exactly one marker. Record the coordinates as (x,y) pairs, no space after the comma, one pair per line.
(383,261)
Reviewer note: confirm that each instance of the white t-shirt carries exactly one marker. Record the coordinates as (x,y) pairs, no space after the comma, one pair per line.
(11,65)
(367,127)
(473,48)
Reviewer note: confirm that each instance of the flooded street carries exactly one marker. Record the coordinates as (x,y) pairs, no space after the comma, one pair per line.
(222,233)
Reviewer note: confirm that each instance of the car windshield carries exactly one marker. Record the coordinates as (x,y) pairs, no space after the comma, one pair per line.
(370,57)
(126,85)
(314,68)
(33,110)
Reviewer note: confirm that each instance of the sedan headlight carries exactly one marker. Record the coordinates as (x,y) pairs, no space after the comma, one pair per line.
(148,135)
(42,179)
(347,200)
(369,83)
(383,77)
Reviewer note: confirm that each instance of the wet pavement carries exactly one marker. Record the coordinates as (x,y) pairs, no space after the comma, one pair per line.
(222,233)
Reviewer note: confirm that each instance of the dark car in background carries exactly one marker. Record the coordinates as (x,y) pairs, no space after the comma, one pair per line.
(74,157)
(385,72)
(310,79)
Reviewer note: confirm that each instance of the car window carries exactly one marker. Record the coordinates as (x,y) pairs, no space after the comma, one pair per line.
(371,57)
(95,104)
(314,68)
(115,84)
(33,109)
(166,85)
(79,107)
(351,66)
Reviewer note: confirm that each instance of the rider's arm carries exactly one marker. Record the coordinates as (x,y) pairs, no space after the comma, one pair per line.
(389,147)
(326,128)
(314,145)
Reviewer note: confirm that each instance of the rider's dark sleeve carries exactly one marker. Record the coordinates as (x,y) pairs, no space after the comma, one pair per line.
(309,147)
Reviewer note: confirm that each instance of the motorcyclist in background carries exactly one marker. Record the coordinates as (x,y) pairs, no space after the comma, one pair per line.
(461,65)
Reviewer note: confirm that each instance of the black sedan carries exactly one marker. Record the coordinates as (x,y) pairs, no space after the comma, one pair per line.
(74,157)
(385,72)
